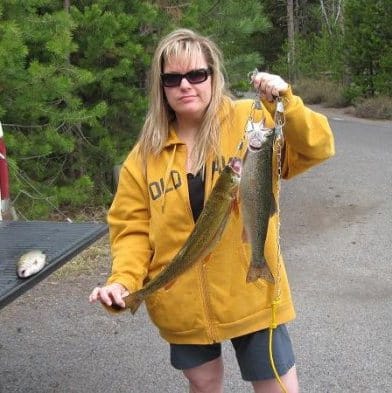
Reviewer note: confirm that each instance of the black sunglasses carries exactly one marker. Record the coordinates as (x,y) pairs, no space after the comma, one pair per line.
(194,77)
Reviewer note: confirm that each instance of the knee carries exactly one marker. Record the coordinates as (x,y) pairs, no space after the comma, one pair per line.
(289,380)
(207,378)
(206,385)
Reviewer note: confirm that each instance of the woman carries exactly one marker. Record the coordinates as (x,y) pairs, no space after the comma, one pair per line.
(191,130)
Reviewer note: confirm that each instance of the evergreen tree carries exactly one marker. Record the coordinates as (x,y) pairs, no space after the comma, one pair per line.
(368,37)
(233,25)
(73,75)
(72,96)
(41,105)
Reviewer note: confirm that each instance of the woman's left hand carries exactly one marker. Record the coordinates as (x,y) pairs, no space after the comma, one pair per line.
(270,86)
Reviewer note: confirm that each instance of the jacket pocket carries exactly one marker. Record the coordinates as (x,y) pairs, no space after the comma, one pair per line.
(174,309)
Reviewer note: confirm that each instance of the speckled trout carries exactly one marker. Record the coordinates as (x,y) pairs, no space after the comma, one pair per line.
(257,200)
(208,230)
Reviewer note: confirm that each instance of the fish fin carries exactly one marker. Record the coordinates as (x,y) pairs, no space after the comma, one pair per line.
(133,301)
(207,258)
(263,272)
(235,207)
(274,206)
(244,236)
(169,284)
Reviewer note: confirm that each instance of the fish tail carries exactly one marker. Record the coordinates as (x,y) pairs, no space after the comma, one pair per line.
(263,272)
(133,302)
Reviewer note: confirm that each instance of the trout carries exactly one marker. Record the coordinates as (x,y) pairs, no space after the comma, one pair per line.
(257,202)
(205,235)
(30,263)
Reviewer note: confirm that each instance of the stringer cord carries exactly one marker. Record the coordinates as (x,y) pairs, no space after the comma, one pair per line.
(278,145)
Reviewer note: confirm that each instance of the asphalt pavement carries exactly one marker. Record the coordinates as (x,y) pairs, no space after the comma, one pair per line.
(336,235)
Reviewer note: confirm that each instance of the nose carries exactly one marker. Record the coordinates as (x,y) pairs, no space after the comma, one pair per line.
(184,83)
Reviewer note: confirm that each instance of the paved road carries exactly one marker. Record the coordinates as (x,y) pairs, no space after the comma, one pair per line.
(336,238)
(337,231)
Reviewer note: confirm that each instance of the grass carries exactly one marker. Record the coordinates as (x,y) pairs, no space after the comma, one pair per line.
(321,91)
(332,94)
(93,259)
(376,107)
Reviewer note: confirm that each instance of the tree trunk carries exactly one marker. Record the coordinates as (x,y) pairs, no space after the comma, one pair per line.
(291,40)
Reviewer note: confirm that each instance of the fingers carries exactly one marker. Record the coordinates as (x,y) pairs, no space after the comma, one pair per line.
(109,295)
(270,86)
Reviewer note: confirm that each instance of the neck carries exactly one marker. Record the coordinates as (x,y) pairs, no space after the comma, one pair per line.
(187,131)
(188,122)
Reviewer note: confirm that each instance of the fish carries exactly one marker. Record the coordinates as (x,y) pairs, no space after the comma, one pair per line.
(257,202)
(205,235)
(30,263)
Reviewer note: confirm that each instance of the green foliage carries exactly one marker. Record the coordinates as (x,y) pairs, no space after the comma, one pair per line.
(368,45)
(352,92)
(317,55)
(67,196)
(234,26)
(72,96)
(112,46)
(13,52)
(73,82)
(353,50)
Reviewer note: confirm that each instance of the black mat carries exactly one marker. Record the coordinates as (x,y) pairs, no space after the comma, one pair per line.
(60,241)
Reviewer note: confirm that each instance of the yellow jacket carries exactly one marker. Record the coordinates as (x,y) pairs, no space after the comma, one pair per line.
(151,218)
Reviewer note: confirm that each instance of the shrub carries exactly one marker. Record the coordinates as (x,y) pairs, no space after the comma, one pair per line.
(375,108)
(324,91)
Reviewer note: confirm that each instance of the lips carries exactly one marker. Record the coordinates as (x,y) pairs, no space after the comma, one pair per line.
(187,98)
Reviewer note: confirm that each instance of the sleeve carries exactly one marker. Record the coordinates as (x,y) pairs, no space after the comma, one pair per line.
(129,220)
(308,136)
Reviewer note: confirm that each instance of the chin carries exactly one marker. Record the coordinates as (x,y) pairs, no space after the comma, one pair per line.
(191,109)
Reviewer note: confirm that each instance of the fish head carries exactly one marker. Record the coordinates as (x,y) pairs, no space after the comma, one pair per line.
(257,135)
(30,263)
(236,166)
(234,169)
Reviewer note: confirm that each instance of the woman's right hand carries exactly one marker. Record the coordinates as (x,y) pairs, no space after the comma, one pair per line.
(109,295)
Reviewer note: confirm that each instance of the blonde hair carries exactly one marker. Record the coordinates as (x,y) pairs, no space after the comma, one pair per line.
(187,44)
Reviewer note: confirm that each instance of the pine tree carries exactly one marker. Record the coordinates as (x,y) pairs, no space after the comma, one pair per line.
(368,34)
(234,26)
(72,82)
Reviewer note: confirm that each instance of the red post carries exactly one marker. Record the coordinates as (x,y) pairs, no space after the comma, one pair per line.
(4,181)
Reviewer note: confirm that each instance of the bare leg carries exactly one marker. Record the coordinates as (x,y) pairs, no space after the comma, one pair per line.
(289,380)
(207,378)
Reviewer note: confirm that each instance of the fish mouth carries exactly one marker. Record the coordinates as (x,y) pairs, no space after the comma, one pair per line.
(255,143)
(236,166)
(256,139)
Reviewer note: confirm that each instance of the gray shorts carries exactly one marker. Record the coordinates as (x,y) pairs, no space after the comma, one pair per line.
(251,351)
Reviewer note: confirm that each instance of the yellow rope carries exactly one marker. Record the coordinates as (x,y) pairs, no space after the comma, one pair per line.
(270,344)
(279,121)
